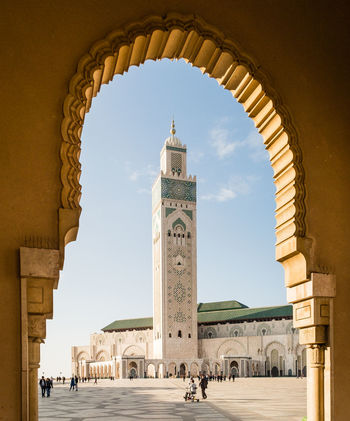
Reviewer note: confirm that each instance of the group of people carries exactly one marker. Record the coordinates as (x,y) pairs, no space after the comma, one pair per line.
(46,385)
(74,383)
(192,389)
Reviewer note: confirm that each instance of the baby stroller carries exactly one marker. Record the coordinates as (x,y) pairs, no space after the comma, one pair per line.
(191,392)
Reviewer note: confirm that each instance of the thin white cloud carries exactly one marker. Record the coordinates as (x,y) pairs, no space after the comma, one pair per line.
(225,143)
(140,176)
(148,172)
(134,175)
(220,140)
(237,185)
(195,156)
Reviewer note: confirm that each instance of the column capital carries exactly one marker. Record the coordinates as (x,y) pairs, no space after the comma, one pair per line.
(316,355)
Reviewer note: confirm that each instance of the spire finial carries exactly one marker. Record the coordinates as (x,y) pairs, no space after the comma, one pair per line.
(172,130)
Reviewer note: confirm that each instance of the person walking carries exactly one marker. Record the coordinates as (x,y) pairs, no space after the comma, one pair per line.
(95,382)
(72,383)
(76,383)
(203,385)
(48,386)
(42,384)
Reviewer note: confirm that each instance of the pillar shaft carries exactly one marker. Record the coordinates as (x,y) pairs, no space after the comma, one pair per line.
(315,389)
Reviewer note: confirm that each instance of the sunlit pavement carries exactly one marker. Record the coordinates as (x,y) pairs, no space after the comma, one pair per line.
(255,399)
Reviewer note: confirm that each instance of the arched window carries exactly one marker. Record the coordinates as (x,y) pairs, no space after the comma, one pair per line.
(179,334)
(263,332)
(174,234)
(188,235)
(169,233)
(210,335)
(169,335)
(189,335)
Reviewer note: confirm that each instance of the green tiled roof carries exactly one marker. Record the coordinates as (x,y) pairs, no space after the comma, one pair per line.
(220,305)
(245,314)
(218,312)
(144,323)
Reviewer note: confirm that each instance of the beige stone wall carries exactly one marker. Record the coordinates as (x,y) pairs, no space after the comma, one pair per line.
(224,330)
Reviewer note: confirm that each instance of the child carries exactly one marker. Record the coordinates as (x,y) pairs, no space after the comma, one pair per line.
(193,388)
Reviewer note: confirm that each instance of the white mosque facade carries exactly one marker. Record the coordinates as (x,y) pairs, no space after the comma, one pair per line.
(183,337)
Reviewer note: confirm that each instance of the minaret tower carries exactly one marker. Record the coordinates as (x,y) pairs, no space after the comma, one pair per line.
(174,255)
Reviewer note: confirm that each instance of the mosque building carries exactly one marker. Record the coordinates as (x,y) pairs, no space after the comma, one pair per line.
(184,337)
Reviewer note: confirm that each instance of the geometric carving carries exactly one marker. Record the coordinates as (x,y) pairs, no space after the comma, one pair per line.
(179,317)
(179,292)
(37,326)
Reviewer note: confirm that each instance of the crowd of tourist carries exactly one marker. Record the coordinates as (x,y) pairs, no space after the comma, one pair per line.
(47,384)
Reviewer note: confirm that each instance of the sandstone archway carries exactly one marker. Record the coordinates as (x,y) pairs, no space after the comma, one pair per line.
(175,36)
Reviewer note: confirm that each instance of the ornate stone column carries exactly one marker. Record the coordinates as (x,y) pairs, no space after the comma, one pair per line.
(312,314)
(39,276)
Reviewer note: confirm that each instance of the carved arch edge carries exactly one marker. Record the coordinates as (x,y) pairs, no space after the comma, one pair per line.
(189,37)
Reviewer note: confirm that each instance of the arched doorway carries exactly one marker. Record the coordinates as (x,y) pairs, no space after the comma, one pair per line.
(234,369)
(151,371)
(161,373)
(194,371)
(183,370)
(205,369)
(274,363)
(132,369)
(172,370)
(217,369)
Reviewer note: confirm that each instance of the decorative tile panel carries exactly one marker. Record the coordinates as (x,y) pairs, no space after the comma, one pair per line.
(189,213)
(178,189)
(172,148)
(168,211)
(179,221)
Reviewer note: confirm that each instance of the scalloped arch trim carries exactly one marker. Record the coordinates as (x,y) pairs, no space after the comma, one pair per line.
(176,36)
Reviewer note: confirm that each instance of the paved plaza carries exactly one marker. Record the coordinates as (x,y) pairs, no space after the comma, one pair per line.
(254,399)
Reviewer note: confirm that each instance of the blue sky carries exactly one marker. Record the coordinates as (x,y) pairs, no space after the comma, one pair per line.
(108,270)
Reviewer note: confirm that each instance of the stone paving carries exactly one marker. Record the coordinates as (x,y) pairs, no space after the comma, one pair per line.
(254,399)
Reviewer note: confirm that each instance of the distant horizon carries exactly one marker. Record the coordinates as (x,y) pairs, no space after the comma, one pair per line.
(108,270)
